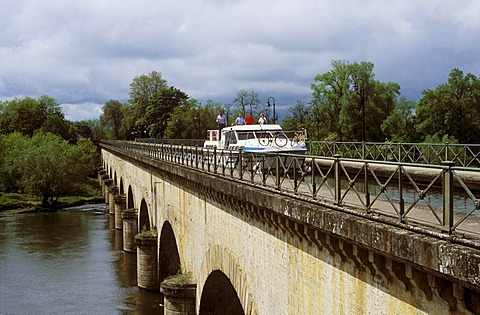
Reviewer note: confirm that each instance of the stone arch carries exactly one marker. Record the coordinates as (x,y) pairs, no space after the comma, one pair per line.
(219,296)
(220,263)
(168,256)
(115,182)
(130,199)
(143,219)
(120,187)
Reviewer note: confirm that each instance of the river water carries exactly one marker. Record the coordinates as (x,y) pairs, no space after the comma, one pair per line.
(69,262)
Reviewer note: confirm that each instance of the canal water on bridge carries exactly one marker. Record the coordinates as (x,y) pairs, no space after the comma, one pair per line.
(68,262)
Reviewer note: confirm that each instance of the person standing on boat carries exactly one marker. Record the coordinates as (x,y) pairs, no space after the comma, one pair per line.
(221,122)
(262,120)
(240,120)
(249,120)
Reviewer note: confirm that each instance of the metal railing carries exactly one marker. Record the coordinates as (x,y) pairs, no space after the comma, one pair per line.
(437,200)
(466,155)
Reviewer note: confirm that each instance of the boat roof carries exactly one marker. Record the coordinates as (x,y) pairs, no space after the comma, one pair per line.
(256,127)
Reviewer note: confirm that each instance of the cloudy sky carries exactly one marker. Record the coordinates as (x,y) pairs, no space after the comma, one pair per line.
(86,52)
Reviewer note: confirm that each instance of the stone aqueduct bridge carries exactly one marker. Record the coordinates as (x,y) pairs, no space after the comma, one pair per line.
(246,249)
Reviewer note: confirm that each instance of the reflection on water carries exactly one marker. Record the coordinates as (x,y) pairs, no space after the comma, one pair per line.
(462,202)
(68,262)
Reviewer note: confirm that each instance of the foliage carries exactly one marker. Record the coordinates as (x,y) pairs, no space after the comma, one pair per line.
(180,280)
(342,96)
(46,165)
(192,119)
(92,129)
(144,91)
(112,117)
(298,116)
(451,109)
(399,125)
(13,146)
(27,115)
(158,112)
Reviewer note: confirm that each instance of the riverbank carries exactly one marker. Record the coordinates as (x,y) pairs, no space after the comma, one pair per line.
(11,203)
(20,203)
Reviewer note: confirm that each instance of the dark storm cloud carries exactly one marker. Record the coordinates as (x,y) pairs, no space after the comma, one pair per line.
(85,53)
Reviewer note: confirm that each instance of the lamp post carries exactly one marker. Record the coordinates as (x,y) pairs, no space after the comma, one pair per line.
(268,106)
(360,91)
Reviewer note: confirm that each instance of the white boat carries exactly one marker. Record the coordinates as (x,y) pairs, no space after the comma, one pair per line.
(256,142)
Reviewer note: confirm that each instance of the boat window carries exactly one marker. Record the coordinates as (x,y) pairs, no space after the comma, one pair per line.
(245,135)
(230,137)
(263,134)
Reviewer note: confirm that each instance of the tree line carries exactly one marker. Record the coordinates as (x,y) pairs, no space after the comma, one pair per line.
(41,150)
(348,104)
(42,153)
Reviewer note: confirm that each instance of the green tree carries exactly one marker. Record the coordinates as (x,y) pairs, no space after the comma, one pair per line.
(83,130)
(347,96)
(55,121)
(144,91)
(159,110)
(51,167)
(192,120)
(24,115)
(297,117)
(97,130)
(12,147)
(451,110)
(329,98)
(112,117)
(399,125)
(28,115)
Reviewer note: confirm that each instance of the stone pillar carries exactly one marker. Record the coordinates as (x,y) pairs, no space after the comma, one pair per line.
(102,182)
(178,295)
(101,172)
(120,204)
(112,192)
(107,183)
(130,229)
(147,275)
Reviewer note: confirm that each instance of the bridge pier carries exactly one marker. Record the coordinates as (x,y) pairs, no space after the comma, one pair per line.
(112,192)
(120,204)
(130,229)
(147,274)
(107,183)
(178,297)
(101,172)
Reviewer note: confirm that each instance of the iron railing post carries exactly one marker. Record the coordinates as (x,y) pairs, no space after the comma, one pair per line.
(295,180)
(447,193)
(240,164)
(367,193)
(401,201)
(277,171)
(214,160)
(363,150)
(196,157)
(314,182)
(446,151)
(338,186)
(182,153)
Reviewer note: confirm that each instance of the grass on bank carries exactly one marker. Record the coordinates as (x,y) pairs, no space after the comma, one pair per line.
(11,203)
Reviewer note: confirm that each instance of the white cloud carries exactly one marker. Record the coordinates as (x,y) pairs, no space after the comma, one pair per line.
(86,53)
